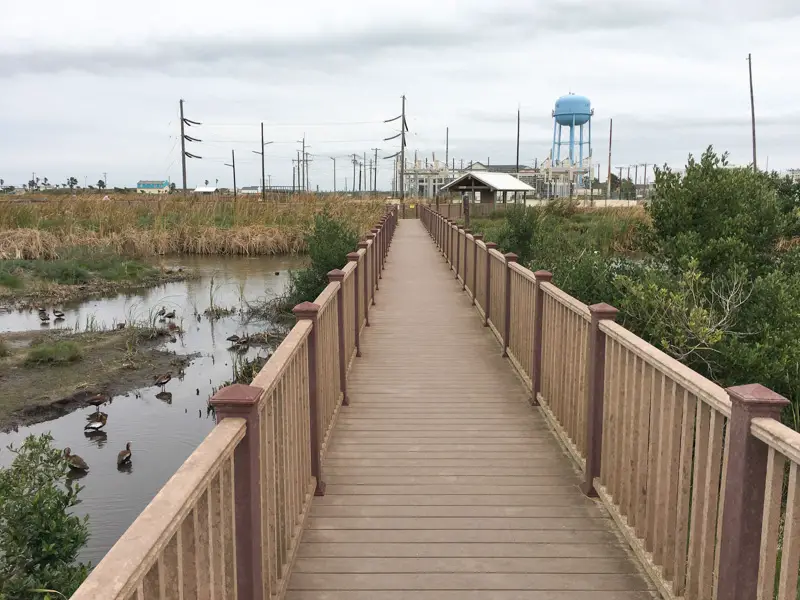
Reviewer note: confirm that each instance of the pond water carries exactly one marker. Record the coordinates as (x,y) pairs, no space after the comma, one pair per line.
(163,434)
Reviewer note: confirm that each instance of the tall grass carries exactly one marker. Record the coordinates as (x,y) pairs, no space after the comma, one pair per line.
(137,226)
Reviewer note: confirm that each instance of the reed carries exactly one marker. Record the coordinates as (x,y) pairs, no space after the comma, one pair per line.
(173,224)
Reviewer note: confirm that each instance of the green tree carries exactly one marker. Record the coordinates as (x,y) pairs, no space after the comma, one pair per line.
(39,537)
(72,182)
(101,185)
(719,215)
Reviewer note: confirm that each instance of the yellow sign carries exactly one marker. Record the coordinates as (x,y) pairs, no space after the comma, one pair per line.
(410,206)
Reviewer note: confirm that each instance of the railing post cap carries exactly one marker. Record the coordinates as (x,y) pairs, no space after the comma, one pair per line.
(491,245)
(336,275)
(375,229)
(467,230)
(603,311)
(543,275)
(306,310)
(510,257)
(370,236)
(755,395)
(363,244)
(477,236)
(236,395)
(353,256)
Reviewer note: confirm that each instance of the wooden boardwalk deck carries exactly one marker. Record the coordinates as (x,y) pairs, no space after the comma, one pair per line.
(442,481)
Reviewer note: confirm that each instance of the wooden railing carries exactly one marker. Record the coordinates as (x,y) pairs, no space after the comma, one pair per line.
(228,523)
(703,482)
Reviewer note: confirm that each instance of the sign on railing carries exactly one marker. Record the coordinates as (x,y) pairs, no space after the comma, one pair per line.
(703,482)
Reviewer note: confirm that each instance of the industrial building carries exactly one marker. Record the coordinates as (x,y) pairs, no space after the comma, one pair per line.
(146,186)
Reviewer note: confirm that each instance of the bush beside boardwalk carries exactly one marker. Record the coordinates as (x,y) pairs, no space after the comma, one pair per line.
(708,271)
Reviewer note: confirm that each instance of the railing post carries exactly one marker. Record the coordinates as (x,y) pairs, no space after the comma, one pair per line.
(242,401)
(476,238)
(487,305)
(458,249)
(365,246)
(510,258)
(310,312)
(745,482)
(449,242)
(595,386)
(353,257)
(376,231)
(538,322)
(338,276)
(466,262)
(373,263)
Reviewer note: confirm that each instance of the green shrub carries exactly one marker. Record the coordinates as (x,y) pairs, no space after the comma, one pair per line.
(40,538)
(719,215)
(4,349)
(54,353)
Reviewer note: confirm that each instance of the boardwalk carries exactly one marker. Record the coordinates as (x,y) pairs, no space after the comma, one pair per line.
(442,481)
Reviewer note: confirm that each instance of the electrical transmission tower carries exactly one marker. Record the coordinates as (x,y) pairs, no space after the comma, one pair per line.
(402,152)
(186,138)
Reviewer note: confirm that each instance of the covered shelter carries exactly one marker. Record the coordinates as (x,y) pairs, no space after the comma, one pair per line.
(488,184)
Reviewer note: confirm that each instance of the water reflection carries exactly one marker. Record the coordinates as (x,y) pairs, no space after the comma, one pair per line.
(163,435)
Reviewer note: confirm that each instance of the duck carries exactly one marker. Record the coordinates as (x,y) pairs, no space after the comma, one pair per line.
(96,424)
(44,317)
(75,461)
(162,380)
(120,326)
(162,311)
(58,315)
(277,272)
(124,456)
(233,338)
(98,400)
(170,315)
(96,416)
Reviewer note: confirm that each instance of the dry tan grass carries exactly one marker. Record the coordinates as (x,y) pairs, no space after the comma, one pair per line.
(142,226)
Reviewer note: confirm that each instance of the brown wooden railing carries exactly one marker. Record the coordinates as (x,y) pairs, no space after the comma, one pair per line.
(228,523)
(703,482)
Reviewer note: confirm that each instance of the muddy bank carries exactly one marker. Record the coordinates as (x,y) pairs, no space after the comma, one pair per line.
(111,362)
(48,294)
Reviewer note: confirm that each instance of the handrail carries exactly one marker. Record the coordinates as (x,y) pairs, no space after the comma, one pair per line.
(172,530)
(693,474)
(249,485)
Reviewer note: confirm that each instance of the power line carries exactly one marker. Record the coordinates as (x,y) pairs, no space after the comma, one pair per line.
(402,153)
(186,138)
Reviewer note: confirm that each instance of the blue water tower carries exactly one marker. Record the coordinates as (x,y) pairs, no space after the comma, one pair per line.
(574,112)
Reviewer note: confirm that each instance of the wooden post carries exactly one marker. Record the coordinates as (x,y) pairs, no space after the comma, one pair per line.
(510,258)
(538,321)
(745,482)
(476,238)
(466,262)
(458,249)
(447,234)
(595,385)
(353,257)
(338,276)
(373,263)
(242,401)
(310,312)
(487,305)
(377,242)
(365,264)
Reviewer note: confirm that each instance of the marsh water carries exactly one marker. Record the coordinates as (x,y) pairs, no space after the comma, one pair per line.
(163,434)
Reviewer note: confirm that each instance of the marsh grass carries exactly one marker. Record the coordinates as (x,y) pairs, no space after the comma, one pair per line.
(135,226)
(53,353)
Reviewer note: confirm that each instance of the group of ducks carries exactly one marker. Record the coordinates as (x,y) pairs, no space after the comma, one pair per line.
(163,315)
(96,422)
(44,316)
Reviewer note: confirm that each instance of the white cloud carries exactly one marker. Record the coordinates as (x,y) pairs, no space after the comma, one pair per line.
(89,87)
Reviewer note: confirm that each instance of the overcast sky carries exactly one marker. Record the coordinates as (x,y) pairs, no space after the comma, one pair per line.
(88,87)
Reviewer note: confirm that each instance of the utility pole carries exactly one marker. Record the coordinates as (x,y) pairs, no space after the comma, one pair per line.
(402,152)
(333,158)
(518,119)
(375,174)
(359,177)
(635,181)
(371,184)
(620,183)
(184,139)
(355,162)
(232,165)
(263,183)
(183,148)
(752,110)
(299,187)
(447,154)
(608,183)
(645,180)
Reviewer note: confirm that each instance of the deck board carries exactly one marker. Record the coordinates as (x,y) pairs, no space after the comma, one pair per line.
(442,482)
